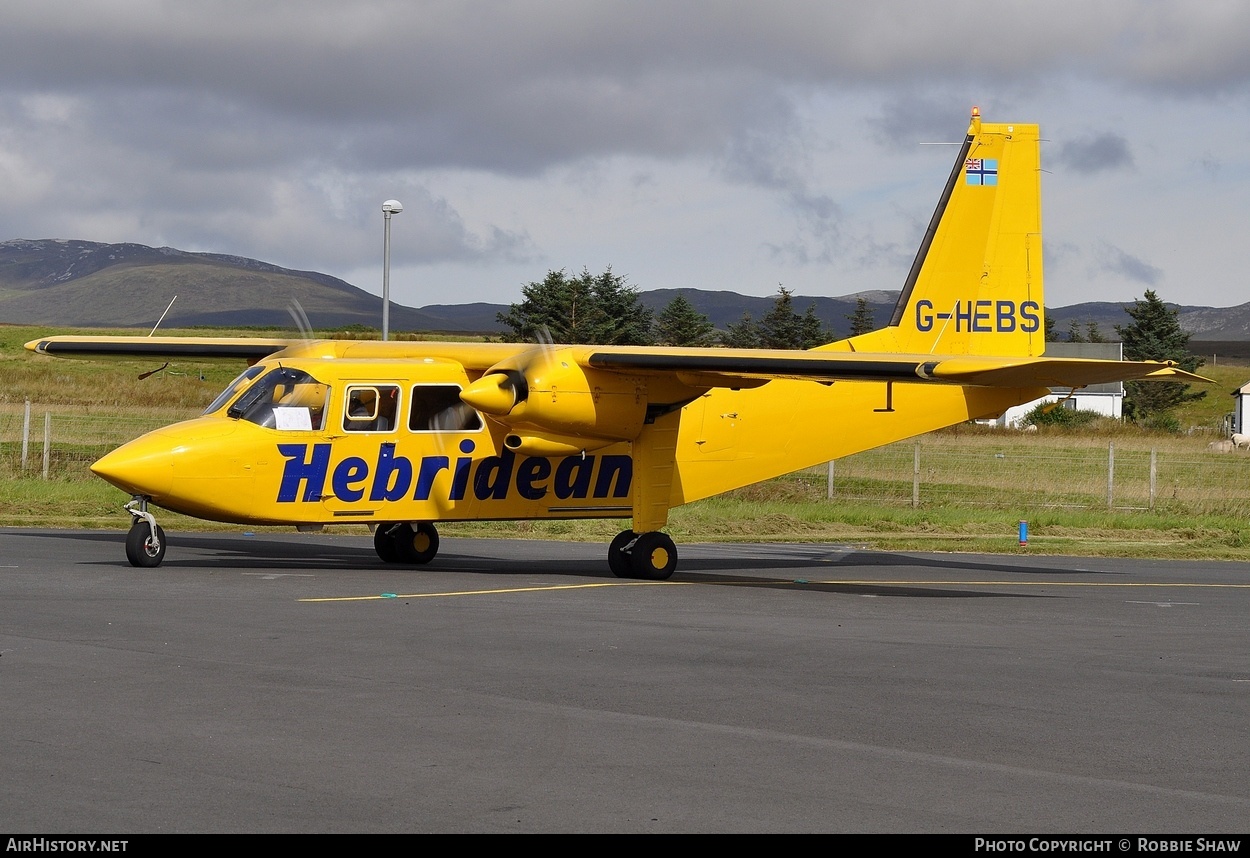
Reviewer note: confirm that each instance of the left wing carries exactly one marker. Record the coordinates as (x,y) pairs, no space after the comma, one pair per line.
(250,349)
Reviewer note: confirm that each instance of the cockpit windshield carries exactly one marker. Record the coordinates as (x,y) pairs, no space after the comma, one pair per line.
(283,398)
(235,386)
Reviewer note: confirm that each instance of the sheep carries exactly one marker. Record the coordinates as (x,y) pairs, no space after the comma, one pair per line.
(1224,446)
(1240,440)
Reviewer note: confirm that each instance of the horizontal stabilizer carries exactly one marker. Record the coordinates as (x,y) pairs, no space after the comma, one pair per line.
(985,371)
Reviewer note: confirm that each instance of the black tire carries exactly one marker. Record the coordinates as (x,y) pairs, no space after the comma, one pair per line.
(384,542)
(140,550)
(416,544)
(654,556)
(618,560)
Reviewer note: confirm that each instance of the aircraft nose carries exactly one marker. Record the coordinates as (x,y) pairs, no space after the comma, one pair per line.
(145,466)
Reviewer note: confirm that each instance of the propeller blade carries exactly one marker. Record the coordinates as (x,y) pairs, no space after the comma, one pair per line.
(301,318)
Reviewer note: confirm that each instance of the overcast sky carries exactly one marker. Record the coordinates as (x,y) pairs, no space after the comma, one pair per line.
(721,145)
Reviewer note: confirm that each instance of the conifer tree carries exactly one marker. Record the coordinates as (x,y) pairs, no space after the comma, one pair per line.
(743,334)
(1156,334)
(599,310)
(782,328)
(680,324)
(1050,334)
(861,320)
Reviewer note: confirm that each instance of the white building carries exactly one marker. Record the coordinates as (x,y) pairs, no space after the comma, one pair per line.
(1241,410)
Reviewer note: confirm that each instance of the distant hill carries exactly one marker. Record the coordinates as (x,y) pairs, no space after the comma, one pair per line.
(88,284)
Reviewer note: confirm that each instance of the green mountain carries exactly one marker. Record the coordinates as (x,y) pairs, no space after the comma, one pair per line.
(88,284)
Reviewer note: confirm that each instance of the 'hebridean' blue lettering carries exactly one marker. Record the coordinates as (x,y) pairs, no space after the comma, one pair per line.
(394,477)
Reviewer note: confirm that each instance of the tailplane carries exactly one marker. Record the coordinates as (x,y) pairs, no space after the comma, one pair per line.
(975,286)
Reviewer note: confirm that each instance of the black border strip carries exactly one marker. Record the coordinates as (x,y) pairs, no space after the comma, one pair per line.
(918,263)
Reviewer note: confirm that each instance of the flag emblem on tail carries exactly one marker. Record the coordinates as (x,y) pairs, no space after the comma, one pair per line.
(981,171)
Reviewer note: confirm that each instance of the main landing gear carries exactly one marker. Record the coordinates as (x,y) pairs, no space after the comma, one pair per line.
(402,542)
(651,556)
(145,543)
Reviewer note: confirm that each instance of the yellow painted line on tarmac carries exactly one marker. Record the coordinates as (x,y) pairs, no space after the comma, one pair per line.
(497,592)
(1036,584)
(799,582)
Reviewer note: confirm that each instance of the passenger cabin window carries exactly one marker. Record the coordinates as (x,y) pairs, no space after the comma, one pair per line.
(371,408)
(437,408)
(283,398)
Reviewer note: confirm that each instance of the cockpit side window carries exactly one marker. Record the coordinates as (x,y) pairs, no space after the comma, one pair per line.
(284,398)
(437,408)
(371,408)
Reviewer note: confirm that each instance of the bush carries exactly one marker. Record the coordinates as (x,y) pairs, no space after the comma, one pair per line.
(1054,414)
(1160,421)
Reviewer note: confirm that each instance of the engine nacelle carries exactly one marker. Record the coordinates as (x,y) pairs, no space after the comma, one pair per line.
(549,391)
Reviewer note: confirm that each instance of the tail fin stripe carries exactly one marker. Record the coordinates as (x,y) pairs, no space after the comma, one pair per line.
(918,263)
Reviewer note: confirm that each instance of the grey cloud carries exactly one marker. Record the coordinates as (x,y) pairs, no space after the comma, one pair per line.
(913,119)
(1115,260)
(1096,154)
(518,87)
(1210,166)
(275,129)
(778,159)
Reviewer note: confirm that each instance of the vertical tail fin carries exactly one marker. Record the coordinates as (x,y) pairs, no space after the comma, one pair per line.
(975,286)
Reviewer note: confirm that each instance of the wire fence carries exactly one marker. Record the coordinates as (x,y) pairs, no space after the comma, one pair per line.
(1003,469)
(60,443)
(938,470)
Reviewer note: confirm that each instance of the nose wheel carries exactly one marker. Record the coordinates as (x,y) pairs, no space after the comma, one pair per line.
(145,542)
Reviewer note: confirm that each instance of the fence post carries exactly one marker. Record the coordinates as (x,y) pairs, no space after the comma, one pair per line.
(47,440)
(1154,472)
(25,433)
(829,486)
(915,479)
(1111,475)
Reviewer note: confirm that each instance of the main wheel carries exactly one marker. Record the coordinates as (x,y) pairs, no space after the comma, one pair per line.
(654,556)
(384,542)
(415,544)
(141,549)
(618,560)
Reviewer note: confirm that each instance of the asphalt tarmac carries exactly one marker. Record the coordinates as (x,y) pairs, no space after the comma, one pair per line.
(296,684)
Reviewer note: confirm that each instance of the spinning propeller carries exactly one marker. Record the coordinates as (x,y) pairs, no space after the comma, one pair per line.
(507,384)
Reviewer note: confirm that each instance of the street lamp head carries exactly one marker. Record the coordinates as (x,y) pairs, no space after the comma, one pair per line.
(392,207)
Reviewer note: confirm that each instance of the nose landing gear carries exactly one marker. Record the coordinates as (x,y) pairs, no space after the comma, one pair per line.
(145,543)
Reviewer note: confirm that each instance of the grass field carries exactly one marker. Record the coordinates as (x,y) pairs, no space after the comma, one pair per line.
(1172,497)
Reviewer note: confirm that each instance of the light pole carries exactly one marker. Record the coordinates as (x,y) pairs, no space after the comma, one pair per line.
(389,208)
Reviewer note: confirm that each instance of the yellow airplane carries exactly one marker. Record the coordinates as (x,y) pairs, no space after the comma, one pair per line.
(401,435)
